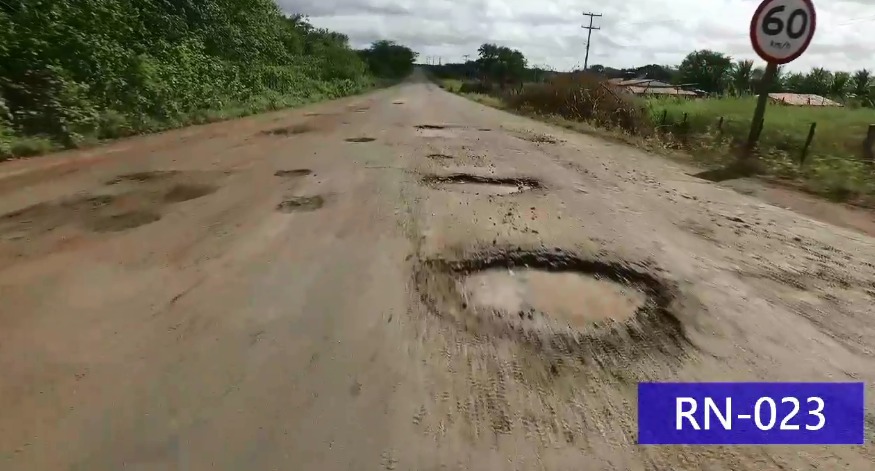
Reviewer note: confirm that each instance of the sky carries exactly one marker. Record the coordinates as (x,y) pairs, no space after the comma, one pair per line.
(549,33)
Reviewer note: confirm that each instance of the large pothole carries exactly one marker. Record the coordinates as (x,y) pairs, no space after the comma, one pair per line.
(606,312)
(568,297)
(481,185)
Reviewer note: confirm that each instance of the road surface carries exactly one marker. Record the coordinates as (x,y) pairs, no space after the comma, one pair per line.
(372,283)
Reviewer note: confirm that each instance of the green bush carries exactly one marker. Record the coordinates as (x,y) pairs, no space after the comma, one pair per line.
(72,71)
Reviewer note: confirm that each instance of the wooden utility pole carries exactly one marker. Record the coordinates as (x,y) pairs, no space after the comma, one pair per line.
(589,29)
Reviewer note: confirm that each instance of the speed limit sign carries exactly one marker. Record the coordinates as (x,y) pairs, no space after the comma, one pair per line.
(781,30)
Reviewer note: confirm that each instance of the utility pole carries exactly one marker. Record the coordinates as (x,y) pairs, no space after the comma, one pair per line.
(589,36)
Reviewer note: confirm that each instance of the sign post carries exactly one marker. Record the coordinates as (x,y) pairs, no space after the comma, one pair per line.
(780,32)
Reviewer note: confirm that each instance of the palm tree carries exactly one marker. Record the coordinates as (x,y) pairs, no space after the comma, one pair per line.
(756,76)
(861,83)
(840,86)
(794,82)
(741,76)
(817,82)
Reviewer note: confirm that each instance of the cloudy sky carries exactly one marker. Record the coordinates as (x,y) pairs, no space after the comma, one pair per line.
(548,32)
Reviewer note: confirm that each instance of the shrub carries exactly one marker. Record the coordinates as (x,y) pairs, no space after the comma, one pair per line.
(583,97)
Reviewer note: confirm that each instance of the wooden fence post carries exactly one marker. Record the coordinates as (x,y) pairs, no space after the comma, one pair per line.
(664,117)
(760,127)
(868,154)
(807,143)
(720,125)
(685,119)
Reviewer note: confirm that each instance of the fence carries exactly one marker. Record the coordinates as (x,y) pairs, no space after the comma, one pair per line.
(682,127)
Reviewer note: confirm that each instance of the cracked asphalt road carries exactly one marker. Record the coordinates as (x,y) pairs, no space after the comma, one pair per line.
(262,294)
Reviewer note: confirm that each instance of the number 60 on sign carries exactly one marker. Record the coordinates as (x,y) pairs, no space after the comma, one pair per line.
(781,30)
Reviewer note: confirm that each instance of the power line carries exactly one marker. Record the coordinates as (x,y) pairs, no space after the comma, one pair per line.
(589,30)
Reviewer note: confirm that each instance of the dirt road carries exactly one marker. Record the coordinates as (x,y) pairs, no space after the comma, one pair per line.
(403,280)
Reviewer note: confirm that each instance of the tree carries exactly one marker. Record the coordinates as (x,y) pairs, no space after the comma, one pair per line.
(840,86)
(778,81)
(662,73)
(817,82)
(706,69)
(388,59)
(861,85)
(98,68)
(741,76)
(501,64)
(794,82)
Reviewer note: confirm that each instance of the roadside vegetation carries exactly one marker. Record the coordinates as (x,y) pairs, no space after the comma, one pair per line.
(73,72)
(708,131)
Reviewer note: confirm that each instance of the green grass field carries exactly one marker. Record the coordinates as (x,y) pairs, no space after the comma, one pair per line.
(832,167)
(840,131)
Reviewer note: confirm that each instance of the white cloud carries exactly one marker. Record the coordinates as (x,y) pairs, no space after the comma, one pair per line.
(548,32)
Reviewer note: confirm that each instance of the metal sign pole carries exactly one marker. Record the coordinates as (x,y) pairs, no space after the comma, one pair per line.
(780,31)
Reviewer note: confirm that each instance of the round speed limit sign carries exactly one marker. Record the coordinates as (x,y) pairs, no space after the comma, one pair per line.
(781,30)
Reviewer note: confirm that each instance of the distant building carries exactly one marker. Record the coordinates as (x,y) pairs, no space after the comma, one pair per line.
(641,86)
(801,99)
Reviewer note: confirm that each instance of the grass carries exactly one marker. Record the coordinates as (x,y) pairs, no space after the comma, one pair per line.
(832,168)
(840,131)
(451,85)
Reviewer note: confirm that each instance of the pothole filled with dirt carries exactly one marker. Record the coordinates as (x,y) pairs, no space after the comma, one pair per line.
(299,172)
(301,204)
(481,185)
(603,311)
(360,139)
(576,298)
(97,213)
(128,201)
